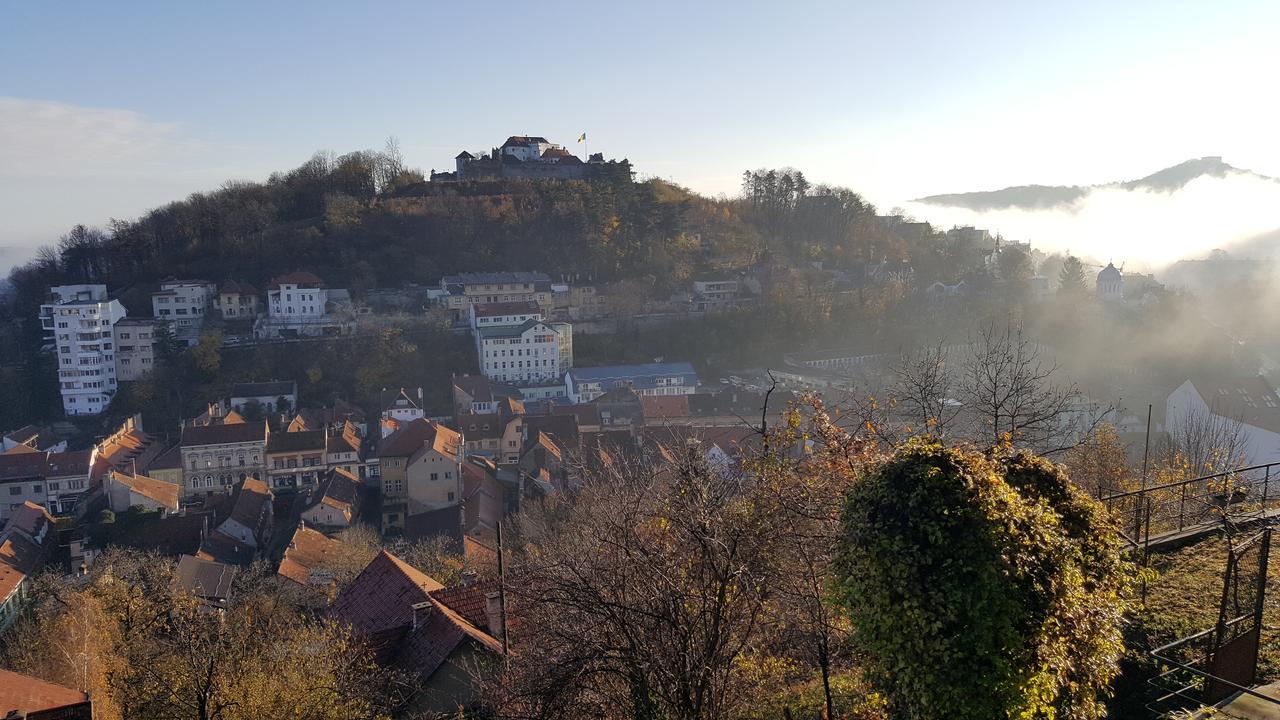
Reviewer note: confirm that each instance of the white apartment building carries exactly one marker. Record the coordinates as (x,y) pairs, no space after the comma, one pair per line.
(533,352)
(183,303)
(296,296)
(135,348)
(82,319)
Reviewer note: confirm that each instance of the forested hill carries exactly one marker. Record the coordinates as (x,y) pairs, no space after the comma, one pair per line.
(363,221)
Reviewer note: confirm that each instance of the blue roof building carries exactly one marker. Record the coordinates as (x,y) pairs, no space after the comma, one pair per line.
(587,384)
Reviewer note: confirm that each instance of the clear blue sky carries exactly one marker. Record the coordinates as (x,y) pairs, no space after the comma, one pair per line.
(108,108)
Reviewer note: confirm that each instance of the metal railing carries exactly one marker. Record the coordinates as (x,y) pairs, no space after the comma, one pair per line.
(1169,510)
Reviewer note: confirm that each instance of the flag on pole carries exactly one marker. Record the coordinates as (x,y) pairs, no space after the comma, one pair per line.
(582,137)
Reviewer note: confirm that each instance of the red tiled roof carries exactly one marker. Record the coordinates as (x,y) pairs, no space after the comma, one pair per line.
(158,490)
(30,518)
(515,307)
(382,596)
(665,406)
(301,278)
(416,435)
(25,694)
(19,557)
(307,551)
(468,600)
(219,434)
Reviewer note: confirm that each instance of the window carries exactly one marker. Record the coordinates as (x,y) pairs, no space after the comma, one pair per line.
(450,497)
(37,489)
(435,476)
(15,490)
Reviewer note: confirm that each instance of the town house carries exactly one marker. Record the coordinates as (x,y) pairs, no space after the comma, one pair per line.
(420,470)
(296,459)
(215,457)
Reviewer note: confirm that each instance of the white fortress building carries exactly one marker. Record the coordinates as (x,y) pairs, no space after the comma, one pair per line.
(81,320)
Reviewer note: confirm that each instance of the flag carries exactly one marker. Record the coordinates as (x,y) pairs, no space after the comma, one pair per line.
(582,137)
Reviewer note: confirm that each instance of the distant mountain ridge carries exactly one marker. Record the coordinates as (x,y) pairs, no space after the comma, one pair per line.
(1047,197)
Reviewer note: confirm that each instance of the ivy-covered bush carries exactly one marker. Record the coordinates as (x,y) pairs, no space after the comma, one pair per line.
(982,587)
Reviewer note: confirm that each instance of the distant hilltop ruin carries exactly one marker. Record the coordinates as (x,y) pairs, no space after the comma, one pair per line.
(533,158)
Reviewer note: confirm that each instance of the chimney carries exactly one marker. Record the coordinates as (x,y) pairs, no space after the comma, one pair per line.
(493,612)
(421,612)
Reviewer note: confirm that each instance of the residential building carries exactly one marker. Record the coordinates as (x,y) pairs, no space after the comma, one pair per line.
(333,419)
(208,580)
(419,468)
(22,480)
(296,459)
(336,502)
(167,467)
(713,293)
(243,536)
(70,477)
(82,319)
(215,457)
(237,301)
(299,304)
(343,450)
(586,384)
(26,542)
(310,558)
(497,436)
(267,397)
(1224,403)
(124,491)
(480,395)
(467,289)
(577,302)
(135,348)
(390,605)
(483,315)
(183,304)
(531,353)
(23,696)
(36,437)
(404,408)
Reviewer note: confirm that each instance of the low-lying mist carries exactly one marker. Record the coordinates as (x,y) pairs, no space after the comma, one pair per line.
(1142,228)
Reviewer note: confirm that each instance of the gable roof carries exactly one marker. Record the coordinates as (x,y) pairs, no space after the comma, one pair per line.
(297,441)
(416,435)
(195,436)
(165,493)
(339,490)
(25,694)
(1251,399)
(170,459)
(30,518)
(664,406)
(19,557)
(523,140)
(468,600)
(251,498)
(561,428)
(444,522)
(301,278)
(382,596)
(207,579)
(307,551)
(17,466)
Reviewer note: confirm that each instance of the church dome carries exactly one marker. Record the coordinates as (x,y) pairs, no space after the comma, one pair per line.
(1109,274)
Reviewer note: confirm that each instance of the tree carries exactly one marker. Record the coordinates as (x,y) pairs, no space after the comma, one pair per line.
(1014,265)
(925,389)
(207,352)
(639,596)
(982,587)
(1010,391)
(1071,283)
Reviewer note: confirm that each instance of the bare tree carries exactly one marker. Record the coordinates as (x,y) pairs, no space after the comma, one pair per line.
(636,596)
(1205,442)
(925,389)
(1011,393)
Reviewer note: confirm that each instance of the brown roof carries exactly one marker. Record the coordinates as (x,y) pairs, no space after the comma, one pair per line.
(562,428)
(19,557)
(21,450)
(382,596)
(231,287)
(158,490)
(340,490)
(252,496)
(283,442)
(664,406)
(416,435)
(30,518)
(468,600)
(221,434)
(168,460)
(425,648)
(23,465)
(585,413)
(25,694)
(301,278)
(348,441)
(482,426)
(75,463)
(308,550)
(522,307)
(205,578)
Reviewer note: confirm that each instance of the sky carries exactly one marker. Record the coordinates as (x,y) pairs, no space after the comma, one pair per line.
(109,109)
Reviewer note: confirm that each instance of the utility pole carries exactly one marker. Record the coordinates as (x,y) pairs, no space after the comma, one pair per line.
(502,594)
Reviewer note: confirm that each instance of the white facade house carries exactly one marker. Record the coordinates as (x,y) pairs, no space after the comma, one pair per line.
(300,305)
(183,304)
(135,348)
(1250,401)
(465,289)
(531,353)
(297,295)
(82,319)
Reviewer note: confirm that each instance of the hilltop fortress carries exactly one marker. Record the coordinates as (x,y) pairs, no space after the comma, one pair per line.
(533,158)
